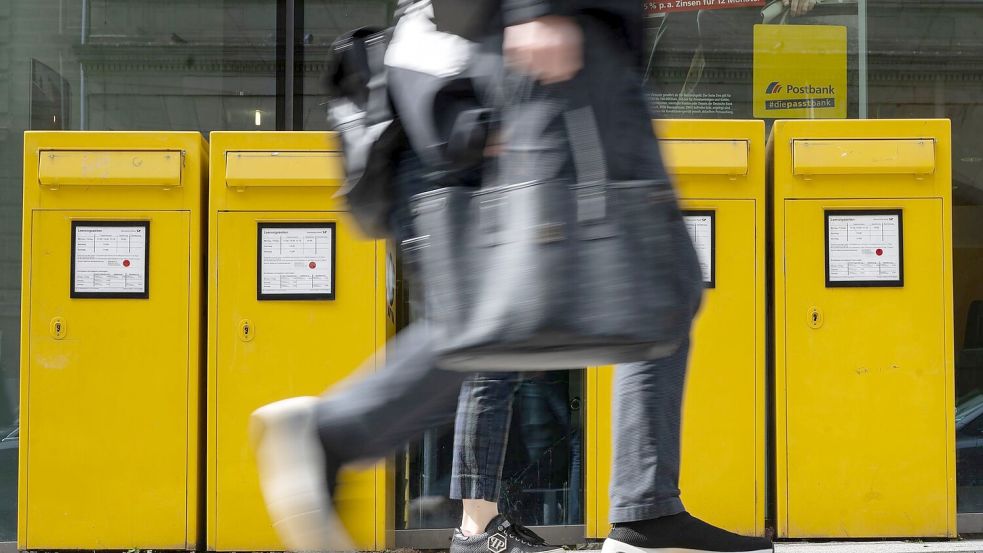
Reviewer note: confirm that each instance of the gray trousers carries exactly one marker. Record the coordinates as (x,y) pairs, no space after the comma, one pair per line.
(371,415)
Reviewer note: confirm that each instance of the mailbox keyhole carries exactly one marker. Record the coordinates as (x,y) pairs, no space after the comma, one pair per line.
(58,328)
(815,318)
(246,330)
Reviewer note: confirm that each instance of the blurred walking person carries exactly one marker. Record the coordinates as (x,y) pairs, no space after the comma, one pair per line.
(301,443)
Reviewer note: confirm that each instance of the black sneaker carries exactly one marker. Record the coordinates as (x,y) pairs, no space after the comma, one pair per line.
(501,536)
(296,477)
(682,533)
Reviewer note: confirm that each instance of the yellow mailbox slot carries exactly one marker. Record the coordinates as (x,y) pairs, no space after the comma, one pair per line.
(863,329)
(111,340)
(719,171)
(297,301)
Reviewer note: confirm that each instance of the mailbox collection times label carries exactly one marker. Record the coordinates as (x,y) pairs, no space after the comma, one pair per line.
(864,248)
(701,227)
(110,259)
(296,261)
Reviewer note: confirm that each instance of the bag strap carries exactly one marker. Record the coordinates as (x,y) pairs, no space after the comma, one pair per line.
(585,143)
(588,159)
(584,140)
(377,107)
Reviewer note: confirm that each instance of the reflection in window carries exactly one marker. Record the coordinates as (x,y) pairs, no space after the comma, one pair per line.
(925,62)
(699,63)
(324,21)
(150,65)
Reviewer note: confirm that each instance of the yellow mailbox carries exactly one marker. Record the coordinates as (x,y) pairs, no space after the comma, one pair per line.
(719,171)
(111,340)
(863,329)
(297,301)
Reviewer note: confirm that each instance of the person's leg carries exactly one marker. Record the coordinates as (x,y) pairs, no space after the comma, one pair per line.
(646,511)
(646,409)
(481,431)
(370,415)
(302,443)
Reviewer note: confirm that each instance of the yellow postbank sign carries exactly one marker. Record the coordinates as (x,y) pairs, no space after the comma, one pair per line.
(800,71)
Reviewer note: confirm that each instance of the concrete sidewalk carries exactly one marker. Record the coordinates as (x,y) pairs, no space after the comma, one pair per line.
(882,547)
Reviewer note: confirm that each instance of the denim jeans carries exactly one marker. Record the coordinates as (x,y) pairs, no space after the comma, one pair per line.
(647,406)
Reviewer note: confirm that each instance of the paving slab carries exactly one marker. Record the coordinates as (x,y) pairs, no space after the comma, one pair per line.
(881,547)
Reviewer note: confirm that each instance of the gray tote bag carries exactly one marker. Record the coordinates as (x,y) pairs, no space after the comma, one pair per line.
(555,273)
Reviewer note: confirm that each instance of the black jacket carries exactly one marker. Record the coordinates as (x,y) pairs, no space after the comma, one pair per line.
(622,16)
(475,18)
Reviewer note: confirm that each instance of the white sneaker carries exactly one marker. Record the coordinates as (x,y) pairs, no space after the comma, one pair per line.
(293,476)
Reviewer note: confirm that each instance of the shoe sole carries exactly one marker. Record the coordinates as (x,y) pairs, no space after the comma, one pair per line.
(292,478)
(457,547)
(615,546)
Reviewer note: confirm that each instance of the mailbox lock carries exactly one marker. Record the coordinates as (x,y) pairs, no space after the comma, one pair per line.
(246,330)
(815,319)
(58,328)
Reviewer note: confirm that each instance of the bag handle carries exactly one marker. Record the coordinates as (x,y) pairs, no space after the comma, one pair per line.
(584,141)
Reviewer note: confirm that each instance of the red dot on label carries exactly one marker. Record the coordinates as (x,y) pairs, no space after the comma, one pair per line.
(126,262)
(312,265)
(879,251)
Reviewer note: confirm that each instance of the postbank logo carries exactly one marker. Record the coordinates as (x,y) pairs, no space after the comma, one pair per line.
(800,96)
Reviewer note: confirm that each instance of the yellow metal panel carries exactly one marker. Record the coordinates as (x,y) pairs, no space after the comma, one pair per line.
(867,413)
(863,157)
(117,469)
(109,168)
(721,476)
(865,440)
(289,168)
(107,447)
(722,470)
(705,157)
(906,184)
(299,347)
(305,190)
(190,146)
(723,440)
(597,452)
(696,184)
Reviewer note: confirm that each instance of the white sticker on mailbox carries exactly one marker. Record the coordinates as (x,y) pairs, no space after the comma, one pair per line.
(701,227)
(296,261)
(864,248)
(109,259)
